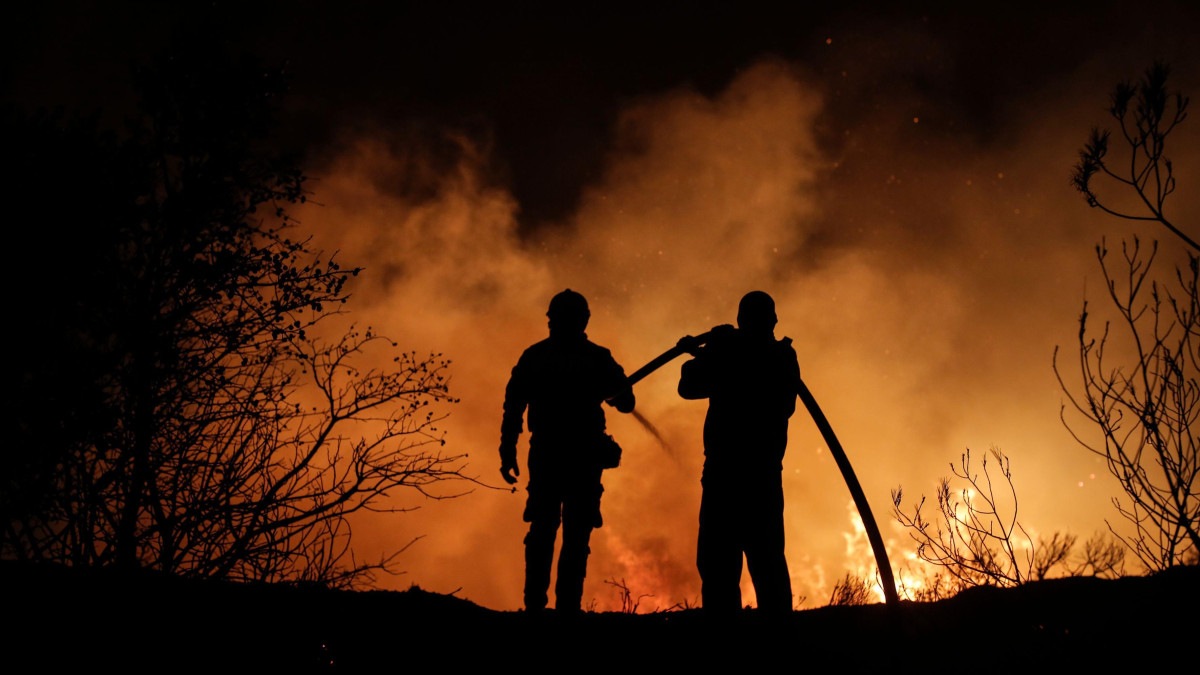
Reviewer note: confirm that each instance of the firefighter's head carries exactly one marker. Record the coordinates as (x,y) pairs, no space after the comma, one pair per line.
(756,314)
(568,313)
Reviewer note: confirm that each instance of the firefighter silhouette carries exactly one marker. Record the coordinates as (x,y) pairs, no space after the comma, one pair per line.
(562,382)
(750,380)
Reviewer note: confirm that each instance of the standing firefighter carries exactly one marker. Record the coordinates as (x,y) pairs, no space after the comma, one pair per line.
(562,381)
(750,380)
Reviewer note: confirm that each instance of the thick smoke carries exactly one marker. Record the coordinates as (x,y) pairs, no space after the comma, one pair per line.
(926,277)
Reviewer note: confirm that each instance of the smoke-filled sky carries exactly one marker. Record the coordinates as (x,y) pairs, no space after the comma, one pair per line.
(898,180)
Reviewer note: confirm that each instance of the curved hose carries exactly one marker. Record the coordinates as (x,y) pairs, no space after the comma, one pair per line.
(856,491)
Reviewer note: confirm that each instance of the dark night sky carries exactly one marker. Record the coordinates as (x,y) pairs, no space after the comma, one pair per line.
(544,83)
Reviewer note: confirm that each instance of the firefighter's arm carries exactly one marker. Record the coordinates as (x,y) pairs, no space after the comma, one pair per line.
(695,379)
(623,399)
(511,426)
(696,376)
(790,367)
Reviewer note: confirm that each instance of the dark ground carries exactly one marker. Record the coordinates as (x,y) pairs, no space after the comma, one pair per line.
(62,621)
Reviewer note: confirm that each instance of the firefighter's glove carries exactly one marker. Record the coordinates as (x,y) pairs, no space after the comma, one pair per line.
(508,463)
(510,473)
(689,344)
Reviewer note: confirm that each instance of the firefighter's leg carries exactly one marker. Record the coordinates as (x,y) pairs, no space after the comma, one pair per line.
(765,557)
(539,556)
(718,554)
(542,514)
(581,514)
(572,567)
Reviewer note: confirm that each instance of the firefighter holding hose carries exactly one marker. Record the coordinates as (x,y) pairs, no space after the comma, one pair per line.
(750,380)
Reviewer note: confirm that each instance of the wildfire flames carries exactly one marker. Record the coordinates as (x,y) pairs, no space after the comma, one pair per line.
(925,287)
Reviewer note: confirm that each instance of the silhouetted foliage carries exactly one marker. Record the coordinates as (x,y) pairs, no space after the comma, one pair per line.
(851,591)
(629,603)
(976,539)
(1139,386)
(177,409)
(930,587)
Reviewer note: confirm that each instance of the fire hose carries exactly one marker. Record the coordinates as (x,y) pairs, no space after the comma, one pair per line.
(835,447)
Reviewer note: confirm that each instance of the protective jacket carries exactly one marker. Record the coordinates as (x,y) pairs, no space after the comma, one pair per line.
(562,381)
(751,385)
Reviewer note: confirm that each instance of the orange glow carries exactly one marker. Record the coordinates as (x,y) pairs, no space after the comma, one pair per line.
(924,291)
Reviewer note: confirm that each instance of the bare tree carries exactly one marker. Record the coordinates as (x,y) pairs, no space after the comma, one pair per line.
(976,539)
(1146,410)
(199,425)
(1146,113)
(970,537)
(1102,556)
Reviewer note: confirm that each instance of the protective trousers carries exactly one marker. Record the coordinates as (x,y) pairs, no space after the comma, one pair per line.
(572,500)
(742,514)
